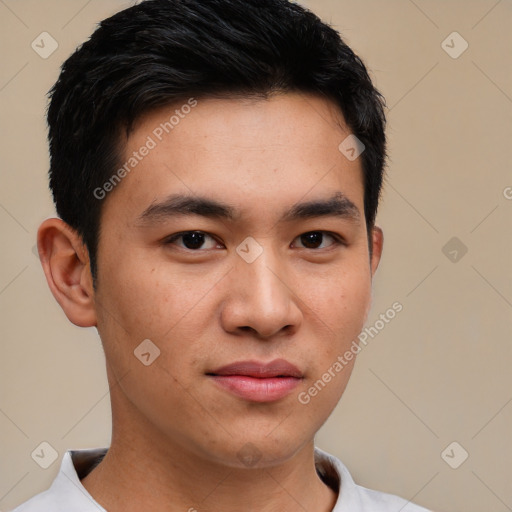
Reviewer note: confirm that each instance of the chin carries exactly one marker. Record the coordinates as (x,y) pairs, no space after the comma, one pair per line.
(259,451)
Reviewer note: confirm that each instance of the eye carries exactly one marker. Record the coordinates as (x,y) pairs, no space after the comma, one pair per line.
(192,240)
(315,239)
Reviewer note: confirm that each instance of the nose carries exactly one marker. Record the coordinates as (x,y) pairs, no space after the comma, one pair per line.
(261,298)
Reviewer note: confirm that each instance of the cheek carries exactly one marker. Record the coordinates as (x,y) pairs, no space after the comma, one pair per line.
(147,297)
(339,309)
(166,305)
(340,298)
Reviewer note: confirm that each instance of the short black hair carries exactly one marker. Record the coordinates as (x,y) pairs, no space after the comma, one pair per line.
(160,52)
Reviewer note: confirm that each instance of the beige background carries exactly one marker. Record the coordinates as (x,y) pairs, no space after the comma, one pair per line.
(439,372)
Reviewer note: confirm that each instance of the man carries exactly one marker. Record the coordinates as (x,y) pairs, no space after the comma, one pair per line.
(216,166)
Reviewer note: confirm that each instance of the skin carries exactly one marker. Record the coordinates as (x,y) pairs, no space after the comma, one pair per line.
(176,434)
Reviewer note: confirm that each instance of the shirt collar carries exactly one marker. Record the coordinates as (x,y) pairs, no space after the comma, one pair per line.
(76,464)
(67,486)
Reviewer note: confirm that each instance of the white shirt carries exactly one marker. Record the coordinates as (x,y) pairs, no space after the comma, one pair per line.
(67,494)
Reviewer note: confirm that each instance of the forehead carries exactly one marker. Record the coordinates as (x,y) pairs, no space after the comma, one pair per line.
(258,152)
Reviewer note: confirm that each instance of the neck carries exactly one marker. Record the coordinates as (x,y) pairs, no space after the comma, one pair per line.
(145,469)
(140,472)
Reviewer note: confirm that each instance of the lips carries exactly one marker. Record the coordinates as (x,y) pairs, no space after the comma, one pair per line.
(258,382)
(276,368)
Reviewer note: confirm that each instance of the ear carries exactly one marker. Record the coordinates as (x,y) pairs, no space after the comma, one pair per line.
(66,264)
(378,242)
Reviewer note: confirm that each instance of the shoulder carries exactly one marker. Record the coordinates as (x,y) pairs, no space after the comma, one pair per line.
(354,497)
(67,492)
(43,501)
(383,502)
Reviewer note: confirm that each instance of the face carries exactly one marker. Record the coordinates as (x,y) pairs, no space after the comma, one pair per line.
(237,245)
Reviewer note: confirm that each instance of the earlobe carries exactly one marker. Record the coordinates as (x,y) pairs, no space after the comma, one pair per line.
(66,265)
(378,242)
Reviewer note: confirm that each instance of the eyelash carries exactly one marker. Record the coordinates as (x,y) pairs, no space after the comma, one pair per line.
(338,240)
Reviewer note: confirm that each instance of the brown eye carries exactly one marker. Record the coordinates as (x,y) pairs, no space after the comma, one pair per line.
(315,239)
(192,240)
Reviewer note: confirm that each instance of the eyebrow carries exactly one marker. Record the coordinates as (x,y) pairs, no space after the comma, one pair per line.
(178,204)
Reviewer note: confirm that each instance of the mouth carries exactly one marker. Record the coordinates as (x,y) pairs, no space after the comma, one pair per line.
(258,382)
